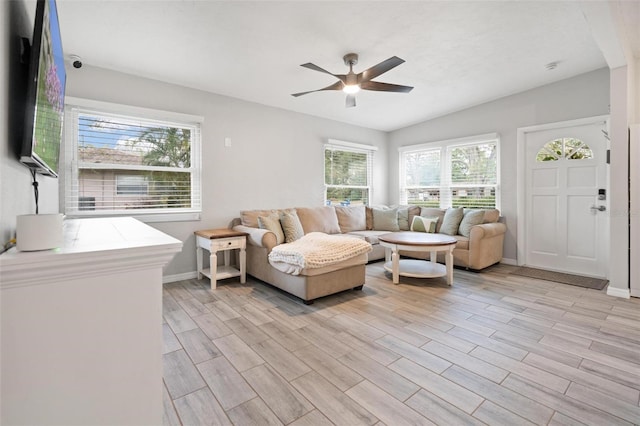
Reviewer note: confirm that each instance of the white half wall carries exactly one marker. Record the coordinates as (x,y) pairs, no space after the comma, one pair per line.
(275,159)
(582,96)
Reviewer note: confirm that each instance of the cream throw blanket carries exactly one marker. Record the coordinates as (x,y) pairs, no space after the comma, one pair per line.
(316,250)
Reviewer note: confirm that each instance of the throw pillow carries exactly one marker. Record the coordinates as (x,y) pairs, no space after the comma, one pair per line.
(434,212)
(351,218)
(291,226)
(424,224)
(403,218)
(385,220)
(451,221)
(471,218)
(272,223)
(491,216)
(369,215)
(318,219)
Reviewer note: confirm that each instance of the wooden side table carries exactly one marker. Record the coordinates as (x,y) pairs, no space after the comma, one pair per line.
(224,240)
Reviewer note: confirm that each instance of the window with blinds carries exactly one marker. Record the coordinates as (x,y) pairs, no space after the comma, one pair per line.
(130,164)
(456,173)
(347,173)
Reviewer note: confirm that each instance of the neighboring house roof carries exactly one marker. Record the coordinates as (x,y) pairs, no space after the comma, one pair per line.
(91,154)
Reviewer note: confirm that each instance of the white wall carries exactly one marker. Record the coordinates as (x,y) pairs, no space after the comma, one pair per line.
(276,158)
(16,192)
(583,96)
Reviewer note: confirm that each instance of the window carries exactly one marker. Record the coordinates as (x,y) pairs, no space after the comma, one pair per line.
(455,173)
(569,148)
(122,160)
(347,173)
(134,185)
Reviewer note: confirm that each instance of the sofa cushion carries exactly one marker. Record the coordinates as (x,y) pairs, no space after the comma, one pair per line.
(451,221)
(463,242)
(385,220)
(470,218)
(406,215)
(250,217)
(351,218)
(369,236)
(319,219)
(491,216)
(272,223)
(369,216)
(433,212)
(291,226)
(424,224)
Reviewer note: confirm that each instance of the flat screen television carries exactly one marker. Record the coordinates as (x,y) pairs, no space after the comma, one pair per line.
(44,114)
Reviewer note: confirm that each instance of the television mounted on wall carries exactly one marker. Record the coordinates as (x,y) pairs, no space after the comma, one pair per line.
(44,113)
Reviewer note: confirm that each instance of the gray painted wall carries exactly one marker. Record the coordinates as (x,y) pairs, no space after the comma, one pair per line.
(16,192)
(276,158)
(583,96)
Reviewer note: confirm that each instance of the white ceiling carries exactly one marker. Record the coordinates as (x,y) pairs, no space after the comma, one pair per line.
(458,54)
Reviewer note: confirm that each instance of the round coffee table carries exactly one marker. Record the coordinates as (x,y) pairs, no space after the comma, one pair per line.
(423,242)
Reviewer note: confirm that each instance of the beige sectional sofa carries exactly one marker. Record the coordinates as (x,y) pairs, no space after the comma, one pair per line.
(481,247)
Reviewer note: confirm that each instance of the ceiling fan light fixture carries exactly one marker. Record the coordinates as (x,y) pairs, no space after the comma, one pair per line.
(351,89)
(351,83)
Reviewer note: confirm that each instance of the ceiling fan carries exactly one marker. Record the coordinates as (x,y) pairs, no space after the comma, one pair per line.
(351,83)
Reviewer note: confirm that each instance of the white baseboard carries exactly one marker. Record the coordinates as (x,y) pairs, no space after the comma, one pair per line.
(179,277)
(618,292)
(508,261)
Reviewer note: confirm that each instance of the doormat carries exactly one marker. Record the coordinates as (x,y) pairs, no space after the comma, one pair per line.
(559,277)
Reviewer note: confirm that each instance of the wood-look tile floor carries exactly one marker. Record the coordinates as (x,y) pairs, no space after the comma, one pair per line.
(492,349)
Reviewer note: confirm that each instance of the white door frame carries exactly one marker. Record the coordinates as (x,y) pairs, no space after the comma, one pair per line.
(521,174)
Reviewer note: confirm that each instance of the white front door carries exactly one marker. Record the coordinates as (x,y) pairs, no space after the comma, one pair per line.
(566,223)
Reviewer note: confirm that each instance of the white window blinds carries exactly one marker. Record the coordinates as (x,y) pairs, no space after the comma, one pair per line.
(457,173)
(128,164)
(348,173)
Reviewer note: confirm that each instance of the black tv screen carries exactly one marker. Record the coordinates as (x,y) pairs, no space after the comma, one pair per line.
(45,93)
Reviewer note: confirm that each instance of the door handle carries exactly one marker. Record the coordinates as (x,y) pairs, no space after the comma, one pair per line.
(599,208)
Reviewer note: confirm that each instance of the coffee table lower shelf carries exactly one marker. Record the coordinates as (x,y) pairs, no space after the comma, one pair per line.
(418,268)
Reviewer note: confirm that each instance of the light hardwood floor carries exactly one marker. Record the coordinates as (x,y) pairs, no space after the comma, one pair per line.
(492,349)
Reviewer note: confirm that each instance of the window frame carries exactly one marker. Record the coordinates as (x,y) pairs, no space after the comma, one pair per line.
(351,147)
(131,193)
(70,170)
(446,186)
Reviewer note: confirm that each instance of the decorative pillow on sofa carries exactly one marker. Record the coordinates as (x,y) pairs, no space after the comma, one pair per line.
(451,221)
(351,218)
(250,217)
(318,219)
(291,226)
(424,224)
(369,217)
(272,223)
(491,215)
(433,212)
(471,218)
(406,215)
(385,220)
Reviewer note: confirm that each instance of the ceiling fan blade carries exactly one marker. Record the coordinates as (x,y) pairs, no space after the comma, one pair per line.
(335,86)
(385,87)
(351,101)
(341,77)
(381,68)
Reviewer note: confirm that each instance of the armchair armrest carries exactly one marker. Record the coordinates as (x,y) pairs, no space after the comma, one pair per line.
(258,237)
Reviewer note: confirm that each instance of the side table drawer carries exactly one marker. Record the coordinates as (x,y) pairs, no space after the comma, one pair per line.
(228,243)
